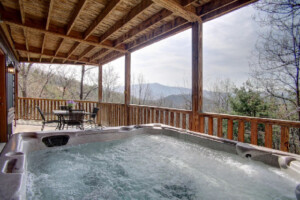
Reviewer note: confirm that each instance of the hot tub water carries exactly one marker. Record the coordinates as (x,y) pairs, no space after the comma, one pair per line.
(151,167)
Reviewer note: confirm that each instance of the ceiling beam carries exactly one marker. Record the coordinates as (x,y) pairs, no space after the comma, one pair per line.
(49,14)
(178,9)
(50,53)
(86,51)
(33,27)
(22,12)
(138,9)
(75,15)
(7,33)
(223,9)
(57,49)
(47,61)
(106,11)
(212,6)
(177,22)
(50,7)
(73,49)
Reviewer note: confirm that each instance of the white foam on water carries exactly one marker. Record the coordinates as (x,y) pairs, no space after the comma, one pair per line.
(151,167)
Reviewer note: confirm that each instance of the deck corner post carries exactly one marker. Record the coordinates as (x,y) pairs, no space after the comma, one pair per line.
(197,76)
(127,93)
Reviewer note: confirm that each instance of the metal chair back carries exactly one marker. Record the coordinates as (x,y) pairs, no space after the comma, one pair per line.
(41,113)
(94,113)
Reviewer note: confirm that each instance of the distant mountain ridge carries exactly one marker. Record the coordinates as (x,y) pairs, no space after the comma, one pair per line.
(162,91)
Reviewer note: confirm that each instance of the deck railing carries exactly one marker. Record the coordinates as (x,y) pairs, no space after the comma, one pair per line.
(240,128)
(26,108)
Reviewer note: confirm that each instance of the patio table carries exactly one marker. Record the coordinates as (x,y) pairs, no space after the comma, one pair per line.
(63,113)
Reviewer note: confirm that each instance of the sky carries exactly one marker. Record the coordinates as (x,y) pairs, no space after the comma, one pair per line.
(227,45)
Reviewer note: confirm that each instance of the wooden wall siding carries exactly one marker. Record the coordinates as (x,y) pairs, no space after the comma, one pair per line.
(99,31)
(113,114)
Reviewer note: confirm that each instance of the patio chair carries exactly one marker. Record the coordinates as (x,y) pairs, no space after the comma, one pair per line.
(64,107)
(75,118)
(45,121)
(93,116)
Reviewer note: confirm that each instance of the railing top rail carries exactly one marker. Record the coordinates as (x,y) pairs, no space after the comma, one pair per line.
(259,120)
(83,101)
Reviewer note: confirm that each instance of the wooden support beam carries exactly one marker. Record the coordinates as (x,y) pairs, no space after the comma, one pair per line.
(131,15)
(50,7)
(43,46)
(196,70)
(72,50)
(34,50)
(107,10)
(49,14)
(86,51)
(178,9)
(75,15)
(224,8)
(57,49)
(213,6)
(22,12)
(127,86)
(7,34)
(32,26)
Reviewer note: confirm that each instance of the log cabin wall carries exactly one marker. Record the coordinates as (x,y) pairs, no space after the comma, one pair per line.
(8,93)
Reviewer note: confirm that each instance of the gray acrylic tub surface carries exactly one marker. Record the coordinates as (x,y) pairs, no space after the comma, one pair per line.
(13,156)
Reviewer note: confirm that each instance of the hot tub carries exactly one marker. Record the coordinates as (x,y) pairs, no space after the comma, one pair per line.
(143,162)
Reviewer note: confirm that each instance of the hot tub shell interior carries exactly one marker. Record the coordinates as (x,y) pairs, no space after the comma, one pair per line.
(13,156)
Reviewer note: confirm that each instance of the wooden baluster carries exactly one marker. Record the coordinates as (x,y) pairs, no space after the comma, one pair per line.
(201,124)
(161,116)
(220,127)
(172,119)
(284,139)
(210,126)
(230,129)
(183,121)
(157,116)
(268,135)
(254,132)
(148,116)
(33,109)
(167,118)
(190,121)
(241,131)
(152,115)
(177,120)
(24,108)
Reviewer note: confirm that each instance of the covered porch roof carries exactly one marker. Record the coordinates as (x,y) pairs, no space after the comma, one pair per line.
(96,32)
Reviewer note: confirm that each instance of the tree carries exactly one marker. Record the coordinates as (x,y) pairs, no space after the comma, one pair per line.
(141,92)
(86,77)
(220,95)
(24,78)
(110,83)
(278,52)
(249,102)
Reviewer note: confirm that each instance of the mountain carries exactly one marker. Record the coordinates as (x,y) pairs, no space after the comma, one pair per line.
(161,91)
(157,90)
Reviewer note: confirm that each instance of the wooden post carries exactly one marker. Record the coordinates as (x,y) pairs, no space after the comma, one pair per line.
(3,101)
(99,93)
(196,73)
(16,97)
(127,87)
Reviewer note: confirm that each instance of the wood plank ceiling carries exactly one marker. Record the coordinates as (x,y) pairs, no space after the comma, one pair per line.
(98,31)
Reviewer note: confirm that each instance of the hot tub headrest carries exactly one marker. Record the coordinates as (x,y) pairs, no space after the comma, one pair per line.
(56,140)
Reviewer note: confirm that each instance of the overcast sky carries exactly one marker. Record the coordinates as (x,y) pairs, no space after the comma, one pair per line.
(228,43)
